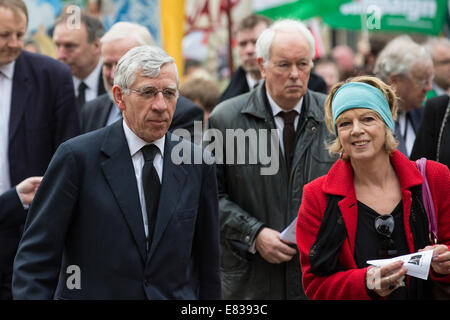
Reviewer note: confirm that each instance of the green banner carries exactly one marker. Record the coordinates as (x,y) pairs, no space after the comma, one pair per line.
(421,16)
(302,9)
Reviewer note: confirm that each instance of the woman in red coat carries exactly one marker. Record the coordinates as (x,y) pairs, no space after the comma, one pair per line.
(369,205)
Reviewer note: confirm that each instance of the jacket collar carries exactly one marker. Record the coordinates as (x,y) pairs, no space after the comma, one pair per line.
(339,180)
(257,104)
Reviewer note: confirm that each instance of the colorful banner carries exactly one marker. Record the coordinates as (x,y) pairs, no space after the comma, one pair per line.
(172,30)
(420,16)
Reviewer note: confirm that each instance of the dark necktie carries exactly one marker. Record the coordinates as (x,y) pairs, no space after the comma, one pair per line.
(81,94)
(399,136)
(152,188)
(288,136)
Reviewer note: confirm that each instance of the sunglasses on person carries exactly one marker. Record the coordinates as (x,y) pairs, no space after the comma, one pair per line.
(384,225)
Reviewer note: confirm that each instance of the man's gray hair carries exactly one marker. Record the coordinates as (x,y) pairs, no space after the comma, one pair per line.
(122,30)
(399,57)
(265,40)
(433,43)
(143,60)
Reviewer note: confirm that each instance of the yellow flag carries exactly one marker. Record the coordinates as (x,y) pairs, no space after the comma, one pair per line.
(172,30)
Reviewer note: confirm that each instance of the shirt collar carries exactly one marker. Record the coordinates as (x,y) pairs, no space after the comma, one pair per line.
(91,81)
(250,81)
(135,143)
(439,91)
(276,108)
(8,70)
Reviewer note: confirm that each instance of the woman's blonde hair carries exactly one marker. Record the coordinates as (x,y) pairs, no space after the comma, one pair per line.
(335,146)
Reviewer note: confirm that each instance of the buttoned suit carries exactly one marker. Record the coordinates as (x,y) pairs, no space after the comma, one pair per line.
(94,221)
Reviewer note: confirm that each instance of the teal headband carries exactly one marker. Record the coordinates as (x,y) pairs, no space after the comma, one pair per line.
(354,95)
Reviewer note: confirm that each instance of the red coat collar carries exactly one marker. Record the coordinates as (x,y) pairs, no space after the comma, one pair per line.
(339,180)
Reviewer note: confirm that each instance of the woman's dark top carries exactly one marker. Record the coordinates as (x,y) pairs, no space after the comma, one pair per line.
(368,241)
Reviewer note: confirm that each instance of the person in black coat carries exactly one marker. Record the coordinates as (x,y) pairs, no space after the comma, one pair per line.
(128,220)
(433,137)
(38,113)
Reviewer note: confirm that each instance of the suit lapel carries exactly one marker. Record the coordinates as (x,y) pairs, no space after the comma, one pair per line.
(119,172)
(101,87)
(107,105)
(174,178)
(20,94)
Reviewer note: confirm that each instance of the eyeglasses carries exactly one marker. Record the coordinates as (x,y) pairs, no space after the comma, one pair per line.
(422,82)
(442,62)
(384,225)
(150,93)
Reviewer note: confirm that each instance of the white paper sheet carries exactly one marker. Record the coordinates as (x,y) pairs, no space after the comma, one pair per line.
(288,234)
(418,264)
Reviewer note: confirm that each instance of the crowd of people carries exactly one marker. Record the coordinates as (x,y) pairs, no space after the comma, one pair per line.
(103,194)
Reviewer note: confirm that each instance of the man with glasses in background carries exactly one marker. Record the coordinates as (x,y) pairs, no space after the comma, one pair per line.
(408,68)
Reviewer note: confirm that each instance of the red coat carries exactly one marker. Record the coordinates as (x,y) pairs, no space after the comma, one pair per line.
(350,284)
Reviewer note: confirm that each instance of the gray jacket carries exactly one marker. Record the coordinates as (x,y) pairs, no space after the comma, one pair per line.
(249,200)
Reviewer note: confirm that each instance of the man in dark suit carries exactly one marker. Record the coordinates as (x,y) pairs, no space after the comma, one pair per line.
(127,222)
(79,48)
(38,112)
(102,111)
(248,75)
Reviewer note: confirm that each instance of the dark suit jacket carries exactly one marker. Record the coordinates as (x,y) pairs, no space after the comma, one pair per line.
(12,212)
(96,112)
(95,222)
(426,143)
(43,114)
(12,215)
(238,85)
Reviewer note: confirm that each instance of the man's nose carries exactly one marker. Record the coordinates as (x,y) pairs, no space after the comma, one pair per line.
(159,103)
(14,41)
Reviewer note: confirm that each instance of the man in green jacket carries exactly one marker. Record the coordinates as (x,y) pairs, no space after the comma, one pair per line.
(268,143)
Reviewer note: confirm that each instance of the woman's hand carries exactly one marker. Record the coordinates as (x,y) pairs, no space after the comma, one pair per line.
(384,280)
(441,258)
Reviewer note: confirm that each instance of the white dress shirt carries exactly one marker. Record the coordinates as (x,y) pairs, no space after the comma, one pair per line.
(410,135)
(114,114)
(250,81)
(135,144)
(6,84)
(279,122)
(91,82)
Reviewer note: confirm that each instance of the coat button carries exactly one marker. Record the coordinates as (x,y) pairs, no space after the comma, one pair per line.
(146,282)
(313,129)
(247,239)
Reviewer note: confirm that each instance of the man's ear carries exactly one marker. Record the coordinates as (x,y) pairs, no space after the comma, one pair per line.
(261,66)
(97,45)
(393,79)
(118,97)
